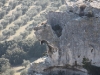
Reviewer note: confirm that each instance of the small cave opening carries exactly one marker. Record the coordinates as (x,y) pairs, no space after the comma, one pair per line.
(57,29)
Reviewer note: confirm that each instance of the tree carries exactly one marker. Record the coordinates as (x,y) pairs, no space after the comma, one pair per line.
(8,72)
(25,63)
(4,64)
(15,56)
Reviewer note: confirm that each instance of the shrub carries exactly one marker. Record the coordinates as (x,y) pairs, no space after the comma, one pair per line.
(9,72)
(19,22)
(27,2)
(24,9)
(2,38)
(30,27)
(8,8)
(3,1)
(1,4)
(36,49)
(33,12)
(39,8)
(13,3)
(43,3)
(25,63)
(24,72)
(18,38)
(5,23)
(15,56)
(24,34)
(25,19)
(8,18)
(16,27)
(2,13)
(4,64)
(8,32)
(56,3)
(17,14)
(1,27)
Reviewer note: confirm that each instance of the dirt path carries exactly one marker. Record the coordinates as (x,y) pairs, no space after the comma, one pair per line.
(18,69)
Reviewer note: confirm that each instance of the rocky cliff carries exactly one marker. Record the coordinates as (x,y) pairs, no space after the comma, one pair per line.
(72,39)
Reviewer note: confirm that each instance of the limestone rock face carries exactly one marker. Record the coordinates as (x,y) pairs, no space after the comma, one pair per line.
(71,37)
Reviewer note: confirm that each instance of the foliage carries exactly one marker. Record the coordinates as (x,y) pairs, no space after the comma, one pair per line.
(43,4)
(92,69)
(25,19)
(33,12)
(2,38)
(13,3)
(30,27)
(24,72)
(1,27)
(18,38)
(2,13)
(5,23)
(24,34)
(8,32)
(3,1)
(24,9)
(16,51)
(25,63)
(15,56)
(85,60)
(16,27)
(4,64)
(19,22)
(3,48)
(9,72)
(17,14)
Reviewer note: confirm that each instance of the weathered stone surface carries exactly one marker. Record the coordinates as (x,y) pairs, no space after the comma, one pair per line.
(79,37)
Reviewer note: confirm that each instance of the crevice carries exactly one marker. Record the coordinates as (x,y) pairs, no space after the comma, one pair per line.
(91,50)
(51,68)
(50,48)
(81,13)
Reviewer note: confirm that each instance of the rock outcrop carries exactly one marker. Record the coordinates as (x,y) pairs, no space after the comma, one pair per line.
(71,39)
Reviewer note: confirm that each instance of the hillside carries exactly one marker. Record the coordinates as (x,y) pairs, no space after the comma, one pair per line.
(18,17)
(17,39)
